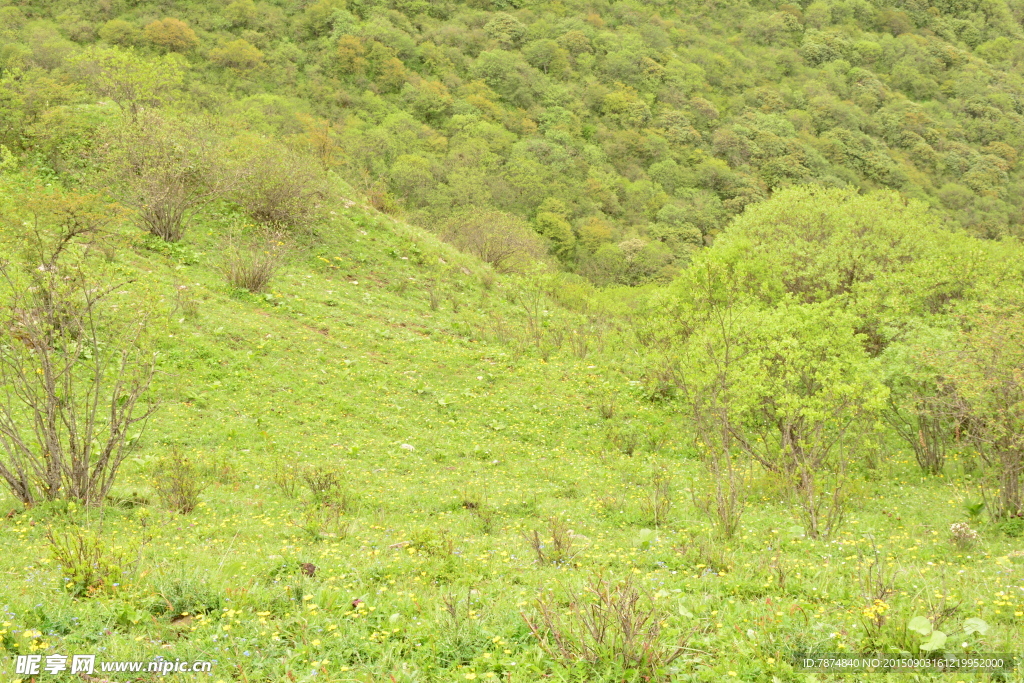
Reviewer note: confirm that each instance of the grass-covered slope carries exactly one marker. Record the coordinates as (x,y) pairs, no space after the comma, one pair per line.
(456,415)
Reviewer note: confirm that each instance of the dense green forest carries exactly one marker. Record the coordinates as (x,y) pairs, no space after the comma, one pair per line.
(626,134)
(596,342)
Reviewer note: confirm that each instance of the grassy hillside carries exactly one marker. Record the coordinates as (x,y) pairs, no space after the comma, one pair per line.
(511,341)
(383,419)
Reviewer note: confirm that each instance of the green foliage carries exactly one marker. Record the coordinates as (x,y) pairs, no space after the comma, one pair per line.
(178,483)
(988,376)
(276,186)
(171,34)
(121,33)
(166,168)
(237,54)
(89,565)
(459,426)
(128,79)
(502,240)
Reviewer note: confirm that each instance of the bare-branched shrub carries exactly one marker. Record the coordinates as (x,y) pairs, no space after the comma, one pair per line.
(657,502)
(657,437)
(487,516)
(286,479)
(478,506)
(626,439)
(558,547)
(503,240)
(706,552)
(608,623)
(382,201)
(322,482)
(988,379)
(166,169)
(922,406)
(579,343)
(487,278)
(277,186)
(723,501)
(186,301)
(321,522)
(251,262)
(178,483)
(877,579)
(607,408)
(433,297)
(74,361)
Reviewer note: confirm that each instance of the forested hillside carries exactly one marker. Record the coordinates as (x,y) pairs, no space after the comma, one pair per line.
(625,134)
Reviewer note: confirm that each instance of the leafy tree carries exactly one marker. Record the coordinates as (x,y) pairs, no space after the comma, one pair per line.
(120,32)
(558,230)
(505,29)
(802,384)
(430,100)
(824,244)
(626,105)
(605,266)
(626,108)
(322,139)
(319,17)
(507,73)
(412,178)
(645,261)
(922,406)
(131,81)
(242,13)
(547,56)
(391,74)
(674,228)
(595,231)
(171,34)
(237,54)
(351,55)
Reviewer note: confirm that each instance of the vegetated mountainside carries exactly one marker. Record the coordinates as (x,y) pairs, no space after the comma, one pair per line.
(626,134)
(400,462)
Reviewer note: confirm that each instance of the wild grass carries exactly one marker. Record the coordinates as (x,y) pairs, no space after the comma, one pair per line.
(353,541)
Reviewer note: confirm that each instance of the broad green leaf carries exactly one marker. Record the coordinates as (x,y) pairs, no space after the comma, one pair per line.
(976,625)
(936,642)
(920,625)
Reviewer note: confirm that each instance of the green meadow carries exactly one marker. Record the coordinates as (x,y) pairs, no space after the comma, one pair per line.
(589,341)
(407,469)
